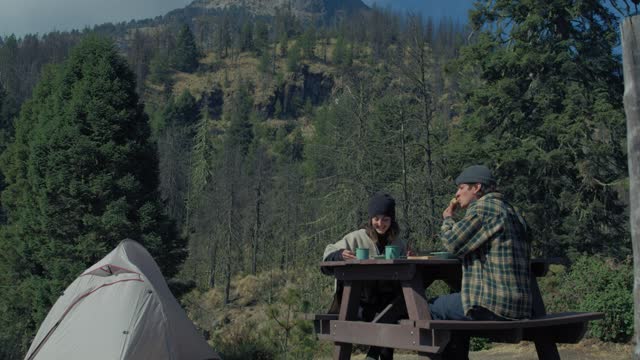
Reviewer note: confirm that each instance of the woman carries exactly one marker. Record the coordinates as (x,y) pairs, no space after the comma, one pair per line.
(380,230)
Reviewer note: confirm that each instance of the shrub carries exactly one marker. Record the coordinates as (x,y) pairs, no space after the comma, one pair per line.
(477,344)
(595,284)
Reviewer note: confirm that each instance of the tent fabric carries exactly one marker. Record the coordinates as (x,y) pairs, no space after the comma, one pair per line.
(119,308)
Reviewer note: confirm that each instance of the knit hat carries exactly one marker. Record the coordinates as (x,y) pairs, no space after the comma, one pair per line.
(382,204)
(476,174)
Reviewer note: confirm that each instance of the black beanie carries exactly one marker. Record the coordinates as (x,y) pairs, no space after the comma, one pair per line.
(476,174)
(382,204)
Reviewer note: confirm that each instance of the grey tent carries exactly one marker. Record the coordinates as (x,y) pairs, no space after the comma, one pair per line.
(120,308)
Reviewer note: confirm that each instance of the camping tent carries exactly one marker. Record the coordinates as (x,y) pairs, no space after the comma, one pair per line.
(120,308)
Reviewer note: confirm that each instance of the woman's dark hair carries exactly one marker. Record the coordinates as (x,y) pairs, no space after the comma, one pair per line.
(391,235)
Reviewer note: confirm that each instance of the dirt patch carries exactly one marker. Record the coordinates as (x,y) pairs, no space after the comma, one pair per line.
(586,350)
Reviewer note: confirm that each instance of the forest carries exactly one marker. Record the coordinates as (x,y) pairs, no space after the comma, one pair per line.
(235,147)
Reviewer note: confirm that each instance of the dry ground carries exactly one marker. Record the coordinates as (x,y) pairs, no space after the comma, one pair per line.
(586,350)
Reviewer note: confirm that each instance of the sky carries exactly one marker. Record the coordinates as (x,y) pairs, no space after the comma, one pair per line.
(21,17)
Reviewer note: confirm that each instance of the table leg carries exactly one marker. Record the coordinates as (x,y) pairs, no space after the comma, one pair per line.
(348,311)
(546,349)
(414,296)
(342,351)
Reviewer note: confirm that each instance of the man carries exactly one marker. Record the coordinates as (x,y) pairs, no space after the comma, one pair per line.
(491,240)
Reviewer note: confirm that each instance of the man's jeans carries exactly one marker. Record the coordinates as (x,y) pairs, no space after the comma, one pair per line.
(449,307)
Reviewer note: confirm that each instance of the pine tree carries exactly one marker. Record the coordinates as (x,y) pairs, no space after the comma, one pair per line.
(224,37)
(183,111)
(9,64)
(283,44)
(547,115)
(174,147)
(261,38)
(185,55)
(265,64)
(308,43)
(293,58)
(81,176)
(340,51)
(240,133)
(160,70)
(246,37)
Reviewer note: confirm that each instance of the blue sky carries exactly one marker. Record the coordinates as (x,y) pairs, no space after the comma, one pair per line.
(41,16)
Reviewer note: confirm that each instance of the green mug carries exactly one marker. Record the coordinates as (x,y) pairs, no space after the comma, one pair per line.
(391,252)
(362,253)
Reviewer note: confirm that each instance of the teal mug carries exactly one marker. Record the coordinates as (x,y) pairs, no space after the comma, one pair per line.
(362,253)
(391,252)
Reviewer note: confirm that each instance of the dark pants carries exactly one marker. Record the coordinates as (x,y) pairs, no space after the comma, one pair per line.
(396,312)
(372,302)
(449,307)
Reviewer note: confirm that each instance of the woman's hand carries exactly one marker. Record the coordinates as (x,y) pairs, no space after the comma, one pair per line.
(348,254)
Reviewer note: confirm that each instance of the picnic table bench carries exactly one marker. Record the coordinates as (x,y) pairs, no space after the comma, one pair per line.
(422,334)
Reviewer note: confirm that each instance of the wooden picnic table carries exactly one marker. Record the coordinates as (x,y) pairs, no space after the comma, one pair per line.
(422,334)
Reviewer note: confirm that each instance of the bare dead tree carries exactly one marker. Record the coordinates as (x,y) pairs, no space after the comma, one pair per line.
(631,66)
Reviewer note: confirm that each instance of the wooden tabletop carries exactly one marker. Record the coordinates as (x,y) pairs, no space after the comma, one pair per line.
(539,266)
(431,261)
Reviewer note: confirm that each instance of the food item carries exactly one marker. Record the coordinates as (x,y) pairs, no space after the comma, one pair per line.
(453,202)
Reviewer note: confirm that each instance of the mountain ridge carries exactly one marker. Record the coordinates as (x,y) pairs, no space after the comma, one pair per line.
(305,9)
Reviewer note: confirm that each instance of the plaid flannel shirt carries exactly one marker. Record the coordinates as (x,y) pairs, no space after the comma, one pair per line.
(492,242)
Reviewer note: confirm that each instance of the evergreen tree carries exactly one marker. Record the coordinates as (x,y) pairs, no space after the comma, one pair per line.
(9,64)
(283,43)
(261,38)
(277,109)
(185,55)
(81,176)
(246,37)
(201,154)
(293,58)
(182,111)
(265,64)
(547,116)
(308,43)
(224,36)
(160,70)
(239,112)
(174,148)
(340,51)
(8,111)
